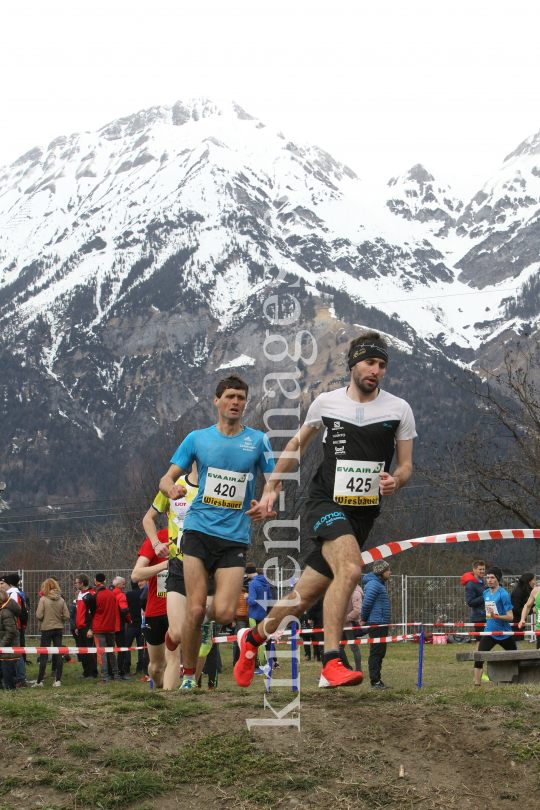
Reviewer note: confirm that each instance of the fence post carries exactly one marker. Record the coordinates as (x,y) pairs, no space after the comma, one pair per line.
(420,658)
(403,600)
(294,649)
(21,574)
(406,613)
(272,653)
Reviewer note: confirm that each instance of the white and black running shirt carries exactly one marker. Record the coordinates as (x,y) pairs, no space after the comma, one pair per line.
(359,442)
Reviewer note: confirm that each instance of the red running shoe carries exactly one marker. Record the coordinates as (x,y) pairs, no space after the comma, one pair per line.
(169,644)
(335,674)
(244,669)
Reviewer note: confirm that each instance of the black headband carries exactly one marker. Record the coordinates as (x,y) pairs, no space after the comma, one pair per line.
(364,350)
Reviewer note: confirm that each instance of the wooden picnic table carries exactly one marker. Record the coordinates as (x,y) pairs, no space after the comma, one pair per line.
(513,666)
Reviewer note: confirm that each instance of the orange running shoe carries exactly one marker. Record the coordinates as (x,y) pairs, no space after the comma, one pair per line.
(335,674)
(244,669)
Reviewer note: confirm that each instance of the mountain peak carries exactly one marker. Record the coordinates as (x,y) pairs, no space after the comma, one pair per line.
(179,114)
(418,196)
(530,146)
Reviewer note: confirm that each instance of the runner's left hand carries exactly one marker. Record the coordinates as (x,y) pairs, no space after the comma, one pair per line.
(387,485)
(162,550)
(260,510)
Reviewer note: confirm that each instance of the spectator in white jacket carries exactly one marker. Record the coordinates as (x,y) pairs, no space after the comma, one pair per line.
(354,611)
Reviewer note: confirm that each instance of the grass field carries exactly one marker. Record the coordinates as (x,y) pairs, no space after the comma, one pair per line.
(122,745)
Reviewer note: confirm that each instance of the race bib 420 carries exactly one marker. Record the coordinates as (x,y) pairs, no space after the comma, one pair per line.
(357,482)
(225,488)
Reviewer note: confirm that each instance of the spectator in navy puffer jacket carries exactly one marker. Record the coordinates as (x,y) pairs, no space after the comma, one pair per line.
(259,595)
(474,591)
(376,610)
(474,596)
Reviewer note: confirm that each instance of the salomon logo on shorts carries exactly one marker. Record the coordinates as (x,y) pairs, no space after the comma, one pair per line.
(329,519)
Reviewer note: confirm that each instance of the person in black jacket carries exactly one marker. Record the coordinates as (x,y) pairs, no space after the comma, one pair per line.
(315,619)
(520,595)
(134,631)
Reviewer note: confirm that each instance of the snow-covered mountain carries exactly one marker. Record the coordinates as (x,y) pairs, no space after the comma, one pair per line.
(134,259)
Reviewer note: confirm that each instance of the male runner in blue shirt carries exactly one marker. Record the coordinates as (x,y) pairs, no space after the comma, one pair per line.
(217,530)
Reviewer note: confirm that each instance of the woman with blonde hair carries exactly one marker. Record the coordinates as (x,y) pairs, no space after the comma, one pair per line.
(52,612)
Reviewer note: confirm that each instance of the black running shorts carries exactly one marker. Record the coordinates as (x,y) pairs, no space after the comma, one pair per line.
(155,628)
(176,582)
(327,520)
(215,552)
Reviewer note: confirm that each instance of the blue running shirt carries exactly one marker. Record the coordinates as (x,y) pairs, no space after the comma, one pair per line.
(227,468)
(502,603)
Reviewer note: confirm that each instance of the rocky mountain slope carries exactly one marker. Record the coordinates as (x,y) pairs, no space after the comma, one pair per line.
(135,260)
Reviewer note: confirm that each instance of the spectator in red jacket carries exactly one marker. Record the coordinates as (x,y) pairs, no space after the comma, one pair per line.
(122,616)
(83,623)
(103,609)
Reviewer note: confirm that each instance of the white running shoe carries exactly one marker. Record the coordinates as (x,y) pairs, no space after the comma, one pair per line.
(57,683)
(37,684)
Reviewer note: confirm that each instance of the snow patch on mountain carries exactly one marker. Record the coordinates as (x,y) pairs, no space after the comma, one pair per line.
(240,362)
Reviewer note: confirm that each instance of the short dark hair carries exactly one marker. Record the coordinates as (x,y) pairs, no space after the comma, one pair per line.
(366,337)
(478,563)
(232,381)
(83,579)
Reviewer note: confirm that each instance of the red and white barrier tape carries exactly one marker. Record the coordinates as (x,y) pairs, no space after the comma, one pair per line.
(403,624)
(66,650)
(389,549)
(351,642)
(224,639)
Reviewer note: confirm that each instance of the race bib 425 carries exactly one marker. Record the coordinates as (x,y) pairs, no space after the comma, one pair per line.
(357,482)
(225,488)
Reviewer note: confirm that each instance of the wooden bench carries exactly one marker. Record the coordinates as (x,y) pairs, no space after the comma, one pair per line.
(519,666)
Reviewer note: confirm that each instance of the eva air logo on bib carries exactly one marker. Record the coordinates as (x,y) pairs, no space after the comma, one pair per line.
(161,584)
(357,482)
(225,488)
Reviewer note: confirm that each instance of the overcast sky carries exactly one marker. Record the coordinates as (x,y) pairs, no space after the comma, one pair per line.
(381,85)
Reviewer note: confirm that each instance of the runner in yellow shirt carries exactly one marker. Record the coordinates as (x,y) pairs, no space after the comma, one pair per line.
(172,580)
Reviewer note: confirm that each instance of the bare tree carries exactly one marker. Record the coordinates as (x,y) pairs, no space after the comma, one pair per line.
(141,481)
(495,470)
(98,548)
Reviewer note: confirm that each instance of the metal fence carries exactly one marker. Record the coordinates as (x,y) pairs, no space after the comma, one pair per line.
(412,599)
(420,599)
(31,582)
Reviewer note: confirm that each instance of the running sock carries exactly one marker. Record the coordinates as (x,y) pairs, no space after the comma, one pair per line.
(189,672)
(254,638)
(329,655)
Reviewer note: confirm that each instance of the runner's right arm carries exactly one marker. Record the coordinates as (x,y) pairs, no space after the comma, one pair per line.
(144,571)
(528,606)
(294,450)
(168,485)
(149,525)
